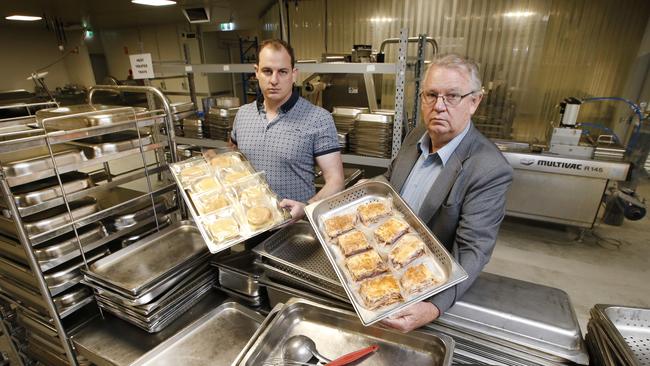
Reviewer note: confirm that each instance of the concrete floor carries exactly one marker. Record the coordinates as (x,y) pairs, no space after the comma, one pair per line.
(609,266)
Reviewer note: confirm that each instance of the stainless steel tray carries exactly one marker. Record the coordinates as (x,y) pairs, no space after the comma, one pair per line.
(33,299)
(145,231)
(252,301)
(50,220)
(18,272)
(215,339)
(239,273)
(67,243)
(101,115)
(372,191)
(60,279)
(630,328)
(279,294)
(140,265)
(295,279)
(26,166)
(139,213)
(337,332)
(180,107)
(526,314)
(98,146)
(43,190)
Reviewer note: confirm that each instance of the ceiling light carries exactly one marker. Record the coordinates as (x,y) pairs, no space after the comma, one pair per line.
(518,14)
(24,18)
(154,2)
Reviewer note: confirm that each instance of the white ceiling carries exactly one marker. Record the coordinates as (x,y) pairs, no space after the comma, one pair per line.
(103,14)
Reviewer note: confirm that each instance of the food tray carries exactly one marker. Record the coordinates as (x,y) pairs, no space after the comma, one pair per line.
(445,266)
(280,294)
(519,314)
(296,279)
(49,220)
(239,273)
(131,216)
(98,146)
(215,339)
(19,131)
(234,192)
(100,115)
(146,230)
(629,328)
(63,302)
(252,301)
(67,243)
(31,194)
(337,332)
(140,265)
(28,165)
(180,107)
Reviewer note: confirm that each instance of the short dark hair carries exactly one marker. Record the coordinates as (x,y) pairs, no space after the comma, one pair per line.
(276,44)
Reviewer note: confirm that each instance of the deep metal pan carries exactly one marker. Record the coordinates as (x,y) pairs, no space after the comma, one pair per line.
(145,231)
(142,264)
(279,293)
(49,220)
(18,272)
(12,249)
(137,214)
(29,165)
(337,332)
(368,192)
(40,191)
(68,243)
(60,279)
(215,339)
(239,273)
(98,146)
(252,301)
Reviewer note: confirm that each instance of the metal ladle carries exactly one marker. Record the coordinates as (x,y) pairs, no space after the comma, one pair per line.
(301,348)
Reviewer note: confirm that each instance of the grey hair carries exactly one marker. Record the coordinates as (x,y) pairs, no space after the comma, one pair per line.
(455,61)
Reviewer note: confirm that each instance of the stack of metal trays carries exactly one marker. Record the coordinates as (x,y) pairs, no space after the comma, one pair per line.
(239,277)
(19,131)
(613,152)
(344,118)
(181,111)
(220,121)
(214,339)
(515,322)
(372,135)
(141,212)
(619,335)
(336,332)
(152,282)
(194,128)
(293,256)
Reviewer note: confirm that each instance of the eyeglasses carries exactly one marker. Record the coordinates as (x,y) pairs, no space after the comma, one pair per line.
(452,100)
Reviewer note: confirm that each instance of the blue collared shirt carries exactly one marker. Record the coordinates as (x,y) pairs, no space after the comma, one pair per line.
(427,168)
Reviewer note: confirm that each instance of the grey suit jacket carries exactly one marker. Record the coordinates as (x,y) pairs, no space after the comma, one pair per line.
(465,205)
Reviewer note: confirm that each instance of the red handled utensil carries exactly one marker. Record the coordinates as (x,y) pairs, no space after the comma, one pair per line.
(353,356)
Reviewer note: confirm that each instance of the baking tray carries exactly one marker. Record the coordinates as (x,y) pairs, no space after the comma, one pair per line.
(337,332)
(50,220)
(629,328)
(33,193)
(215,339)
(28,165)
(140,212)
(370,191)
(98,146)
(239,273)
(140,265)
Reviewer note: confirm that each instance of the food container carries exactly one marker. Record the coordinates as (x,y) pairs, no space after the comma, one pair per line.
(246,205)
(34,193)
(336,332)
(29,165)
(239,273)
(102,115)
(444,268)
(98,146)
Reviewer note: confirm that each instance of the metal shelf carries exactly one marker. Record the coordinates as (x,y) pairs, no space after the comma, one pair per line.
(366,160)
(202,142)
(330,68)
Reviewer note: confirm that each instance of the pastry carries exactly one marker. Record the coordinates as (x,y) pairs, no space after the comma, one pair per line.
(206,184)
(221,161)
(192,172)
(373,211)
(388,232)
(213,203)
(353,242)
(232,177)
(380,291)
(418,278)
(224,228)
(338,225)
(252,194)
(366,264)
(407,248)
(259,215)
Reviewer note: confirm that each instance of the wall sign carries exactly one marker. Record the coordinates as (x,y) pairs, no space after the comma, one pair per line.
(142,66)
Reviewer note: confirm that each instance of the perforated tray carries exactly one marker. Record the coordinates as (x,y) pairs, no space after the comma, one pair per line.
(372,191)
(632,327)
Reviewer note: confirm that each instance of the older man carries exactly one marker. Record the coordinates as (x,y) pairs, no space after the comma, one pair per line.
(284,134)
(453,177)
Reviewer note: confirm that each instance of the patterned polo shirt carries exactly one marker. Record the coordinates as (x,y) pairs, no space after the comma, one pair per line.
(285,148)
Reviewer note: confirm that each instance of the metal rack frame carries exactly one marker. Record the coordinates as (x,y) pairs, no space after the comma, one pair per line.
(49,139)
(398,69)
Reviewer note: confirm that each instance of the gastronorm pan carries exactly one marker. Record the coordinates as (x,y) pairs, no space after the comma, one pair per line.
(44,190)
(98,146)
(133,215)
(101,115)
(239,273)
(29,165)
(139,265)
(371,191)
(52,219)
(629,329)
(337,332)
(215,339)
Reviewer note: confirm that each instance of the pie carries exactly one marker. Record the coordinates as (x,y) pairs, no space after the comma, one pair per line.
(353,242)
(391,230)
(192,172)
(338,225)
(224,228)
(232,177)
(407,248)
(221,162)
(206,184)
(371,212)
(366,264)
(259,215)
(418,278)
(212,203)
(380,291)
